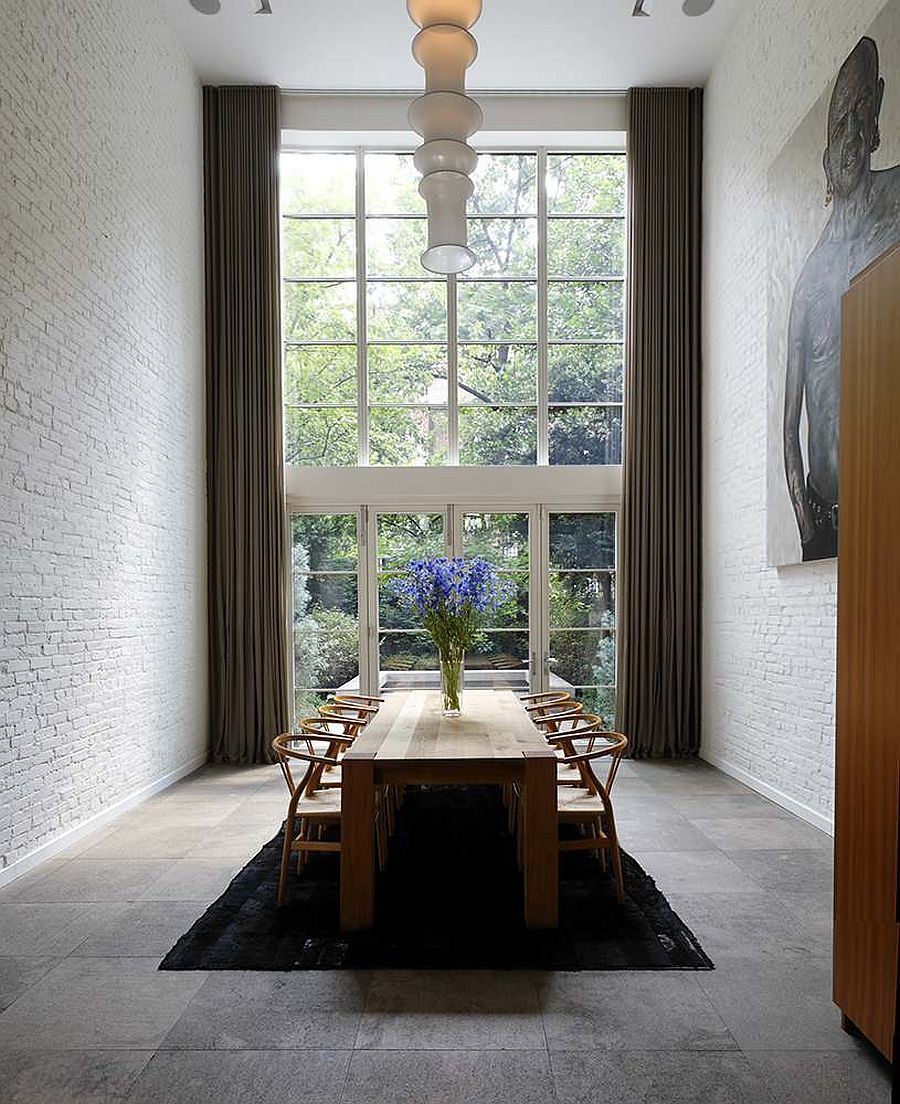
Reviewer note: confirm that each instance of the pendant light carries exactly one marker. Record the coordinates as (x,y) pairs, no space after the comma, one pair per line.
(445,117)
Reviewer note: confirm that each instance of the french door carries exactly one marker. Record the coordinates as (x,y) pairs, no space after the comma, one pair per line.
(557,629)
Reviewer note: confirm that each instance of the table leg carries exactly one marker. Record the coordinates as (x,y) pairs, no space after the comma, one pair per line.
(357,843)
(541,852)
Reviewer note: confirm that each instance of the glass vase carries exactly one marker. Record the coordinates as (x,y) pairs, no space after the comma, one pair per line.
(452,667)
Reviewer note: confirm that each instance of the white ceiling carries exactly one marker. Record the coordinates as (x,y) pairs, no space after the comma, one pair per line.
(524,44)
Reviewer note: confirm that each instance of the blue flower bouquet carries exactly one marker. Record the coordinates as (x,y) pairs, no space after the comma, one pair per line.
(453,598)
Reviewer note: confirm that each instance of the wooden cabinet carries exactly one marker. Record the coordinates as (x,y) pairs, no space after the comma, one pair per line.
(868,696)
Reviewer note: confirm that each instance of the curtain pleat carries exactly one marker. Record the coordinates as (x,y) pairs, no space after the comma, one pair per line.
(660,595)
(248,647)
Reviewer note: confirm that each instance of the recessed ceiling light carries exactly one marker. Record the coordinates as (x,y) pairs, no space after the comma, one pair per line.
(207,7)
(696,7)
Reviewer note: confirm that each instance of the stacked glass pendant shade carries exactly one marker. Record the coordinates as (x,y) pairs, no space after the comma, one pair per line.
(446,118)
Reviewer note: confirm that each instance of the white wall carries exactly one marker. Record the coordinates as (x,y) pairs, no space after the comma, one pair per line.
(102,493)
(769,634)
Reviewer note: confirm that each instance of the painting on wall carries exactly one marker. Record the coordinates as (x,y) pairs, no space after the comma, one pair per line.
(835,198)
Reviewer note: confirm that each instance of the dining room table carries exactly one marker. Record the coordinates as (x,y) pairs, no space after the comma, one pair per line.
(410,742)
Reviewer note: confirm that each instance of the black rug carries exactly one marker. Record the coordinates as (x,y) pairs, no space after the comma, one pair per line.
(451,898)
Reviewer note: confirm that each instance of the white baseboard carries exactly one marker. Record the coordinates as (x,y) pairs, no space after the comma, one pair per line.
(72,835)
(823,823)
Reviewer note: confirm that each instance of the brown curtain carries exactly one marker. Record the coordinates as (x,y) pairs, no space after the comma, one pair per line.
(659,694)
(245,476)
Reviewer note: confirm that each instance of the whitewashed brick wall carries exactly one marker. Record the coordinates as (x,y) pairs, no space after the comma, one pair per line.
(102,496)
(769,647)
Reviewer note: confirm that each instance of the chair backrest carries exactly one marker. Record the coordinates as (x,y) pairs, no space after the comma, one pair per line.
(557,715)
(548,698)
(604,745)
(292,746)
(357,715)
(347,698)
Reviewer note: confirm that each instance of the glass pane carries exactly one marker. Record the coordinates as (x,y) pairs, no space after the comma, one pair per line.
(326,649)
(583,600)
(497,312)
(320,374)
(405,537)
(586,183)
(513,614)
(408,437)
(318,247)
(392,185)
(402,652)
(408,312)
(503,247)
(318,183)
(586,435)
(497,435)
(600,700)
(325,542)
(586,373)
(586,310)
(307,702)
(320,312)
(586,247)
(325,606)
(583,658)
(395,246)
(497,373)
(500,538)
(408,374)
(319,437)
(505,184)
(498,651)
(583,541)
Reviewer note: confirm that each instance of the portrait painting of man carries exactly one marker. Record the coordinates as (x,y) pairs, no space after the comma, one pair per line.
(861,205)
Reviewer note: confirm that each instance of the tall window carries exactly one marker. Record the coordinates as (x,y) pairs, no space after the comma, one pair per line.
(518,361)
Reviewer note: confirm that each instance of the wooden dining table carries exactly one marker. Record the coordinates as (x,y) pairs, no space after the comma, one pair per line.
(410,742)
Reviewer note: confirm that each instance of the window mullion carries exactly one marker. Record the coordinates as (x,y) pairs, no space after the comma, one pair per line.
(543,414)
(452,374)
(362,360)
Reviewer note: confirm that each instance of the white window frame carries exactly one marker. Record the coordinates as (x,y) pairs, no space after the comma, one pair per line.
(539,489)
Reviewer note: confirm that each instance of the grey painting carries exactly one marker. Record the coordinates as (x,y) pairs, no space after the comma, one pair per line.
(835,192)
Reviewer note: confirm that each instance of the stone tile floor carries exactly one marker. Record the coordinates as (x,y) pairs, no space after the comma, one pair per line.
(85,1016)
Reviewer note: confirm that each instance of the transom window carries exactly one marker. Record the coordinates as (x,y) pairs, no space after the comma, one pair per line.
(518,361)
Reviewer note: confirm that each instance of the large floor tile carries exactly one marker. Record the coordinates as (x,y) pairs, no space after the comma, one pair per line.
(763,833)
(144,930)
(242,1077)
(160,838)
(656,1077)
(749,927)
(778,1006)
(236,839)
(69,1077)
(695,872)
(451,1010)
(49,929)
(237,1010)
(449,1077)
(98,1003)
(99,880)
(630,1011)
(788,871)
(19,974)
(655,826)
(687,776)
(746,804)
(193,880)
(817,1077)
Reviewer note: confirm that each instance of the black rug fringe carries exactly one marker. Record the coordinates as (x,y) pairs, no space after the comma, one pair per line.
(451,898)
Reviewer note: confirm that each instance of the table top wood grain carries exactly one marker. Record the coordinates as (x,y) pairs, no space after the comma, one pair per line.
(410,726)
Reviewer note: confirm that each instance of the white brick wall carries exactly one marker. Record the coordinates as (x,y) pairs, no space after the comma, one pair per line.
(769,647)
(102,497)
